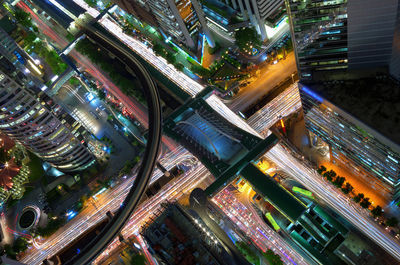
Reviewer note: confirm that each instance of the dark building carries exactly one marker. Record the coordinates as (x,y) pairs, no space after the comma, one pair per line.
(348,56)
(175,237)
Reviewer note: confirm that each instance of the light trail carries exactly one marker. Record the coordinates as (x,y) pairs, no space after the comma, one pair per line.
(179,78)
(284,104)
(134,107)
(330,195)
(286,161)
(111,201)
(251,224)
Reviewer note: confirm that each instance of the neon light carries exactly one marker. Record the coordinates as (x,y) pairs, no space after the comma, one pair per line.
(312,93)
(283,126)
(272,221)
(304,192)
(202,50)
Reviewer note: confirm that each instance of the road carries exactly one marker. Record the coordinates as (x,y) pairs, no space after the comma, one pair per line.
(288,102)
(179,78)
(245,197)
(278,155)
(343,205)
(268,78)
(262,236)
(133,106)
(111,200)
(283,105)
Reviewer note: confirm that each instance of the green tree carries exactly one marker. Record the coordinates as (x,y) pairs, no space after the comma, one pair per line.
(247,252)
(91,3)
(30,38)
(377,211)
(101,94)
(9,251)
(392,221)
(321,169)
(358,197)
(339,181)
(365,203)
(179,66)
(273,259)
(158,49)
(53,224)
(23,18)
(201,71)
(347,188)
(73,81)
(20,245)
(247,38)
(170,58)
(137,259)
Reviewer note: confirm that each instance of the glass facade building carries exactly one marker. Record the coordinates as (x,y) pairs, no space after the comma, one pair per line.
(346,53)
(319,30)
(353,144)
(42,127)
(180,21)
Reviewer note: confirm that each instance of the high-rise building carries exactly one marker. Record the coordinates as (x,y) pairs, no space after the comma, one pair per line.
(360,126)
(348,57)
(345,35)
(42,126)
(180,21)
(261,13)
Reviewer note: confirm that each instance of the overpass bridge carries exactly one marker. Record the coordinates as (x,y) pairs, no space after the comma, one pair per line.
(222,146)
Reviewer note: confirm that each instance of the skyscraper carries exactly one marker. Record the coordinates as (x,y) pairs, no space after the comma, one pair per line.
(257,11)
(181,21)
(345,35)
(348,54)
(50,133)
(42,126)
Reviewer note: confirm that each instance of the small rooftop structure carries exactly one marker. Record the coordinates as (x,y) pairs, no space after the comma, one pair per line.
(175,239)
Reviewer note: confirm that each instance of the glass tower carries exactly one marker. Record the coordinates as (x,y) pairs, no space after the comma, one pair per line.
(319,29)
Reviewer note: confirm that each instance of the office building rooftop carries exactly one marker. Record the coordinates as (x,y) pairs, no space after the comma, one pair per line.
(372,100)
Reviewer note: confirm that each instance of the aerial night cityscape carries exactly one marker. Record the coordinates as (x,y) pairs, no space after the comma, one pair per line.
(200,132)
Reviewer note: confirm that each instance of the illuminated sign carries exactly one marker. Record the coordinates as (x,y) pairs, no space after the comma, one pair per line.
(19,57)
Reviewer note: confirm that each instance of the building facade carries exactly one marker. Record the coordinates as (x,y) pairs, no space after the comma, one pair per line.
(319,33)
(345,35)
(374,158)
(42,126)
(259,12)
(181,21)
(347,54)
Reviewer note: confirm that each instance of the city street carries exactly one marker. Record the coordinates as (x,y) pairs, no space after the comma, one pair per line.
(285,104)
(343,205)
(268,78)
(262,235)
(111,200)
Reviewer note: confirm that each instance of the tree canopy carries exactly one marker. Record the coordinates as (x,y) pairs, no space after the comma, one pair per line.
(247,38)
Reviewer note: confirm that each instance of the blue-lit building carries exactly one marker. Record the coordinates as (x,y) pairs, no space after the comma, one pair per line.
(361,127)
(348,57)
